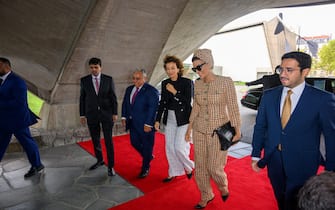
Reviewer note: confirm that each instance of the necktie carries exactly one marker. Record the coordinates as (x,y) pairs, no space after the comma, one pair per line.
(96,84)
(134,96)
(286,113)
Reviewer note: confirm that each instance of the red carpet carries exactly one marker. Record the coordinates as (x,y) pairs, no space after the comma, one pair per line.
(248,190)
(128,162)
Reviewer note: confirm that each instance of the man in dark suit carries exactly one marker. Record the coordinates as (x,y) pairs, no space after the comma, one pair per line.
(268,81)
(15,116)
(139,108)
(98,108)
(288,127)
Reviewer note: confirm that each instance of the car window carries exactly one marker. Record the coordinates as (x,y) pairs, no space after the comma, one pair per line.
(327,84)
(333,85)
(321,84)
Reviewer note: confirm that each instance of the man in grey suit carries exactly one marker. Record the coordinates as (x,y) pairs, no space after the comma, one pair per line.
(98,108)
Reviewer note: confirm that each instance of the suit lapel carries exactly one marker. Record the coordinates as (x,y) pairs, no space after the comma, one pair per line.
(299,109)
(277,103)
(140,92)
(102,83)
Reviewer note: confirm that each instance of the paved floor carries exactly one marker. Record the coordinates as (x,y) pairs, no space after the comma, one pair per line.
(66,183)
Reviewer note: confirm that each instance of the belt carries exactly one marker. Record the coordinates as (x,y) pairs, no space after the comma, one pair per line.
(279,147)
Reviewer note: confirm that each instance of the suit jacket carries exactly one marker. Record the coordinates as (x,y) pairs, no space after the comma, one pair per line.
(14,111)
(300,139)
(143,111)
(97,107)
(181,102)
(214,104)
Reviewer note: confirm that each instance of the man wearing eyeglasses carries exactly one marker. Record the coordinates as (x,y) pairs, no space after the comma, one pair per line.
(288,127)
(139,107)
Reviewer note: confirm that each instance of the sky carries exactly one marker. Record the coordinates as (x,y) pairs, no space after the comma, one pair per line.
(311,20)
(243,54)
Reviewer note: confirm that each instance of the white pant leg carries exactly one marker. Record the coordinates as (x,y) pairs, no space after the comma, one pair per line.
(182,148)
(177,149)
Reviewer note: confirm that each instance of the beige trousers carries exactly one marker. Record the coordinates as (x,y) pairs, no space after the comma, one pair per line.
(209,163)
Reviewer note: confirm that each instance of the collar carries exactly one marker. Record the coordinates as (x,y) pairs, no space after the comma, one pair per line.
(297,89)
(4,77)
(98,77)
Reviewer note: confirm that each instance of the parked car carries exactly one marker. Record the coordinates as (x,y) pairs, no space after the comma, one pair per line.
(253,96)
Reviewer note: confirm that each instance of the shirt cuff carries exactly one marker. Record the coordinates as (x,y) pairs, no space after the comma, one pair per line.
(255,158)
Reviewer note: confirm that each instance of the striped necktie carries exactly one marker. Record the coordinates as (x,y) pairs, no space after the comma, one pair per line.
(96,84)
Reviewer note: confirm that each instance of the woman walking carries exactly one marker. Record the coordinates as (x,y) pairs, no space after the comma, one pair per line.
(175,107)
(215,104)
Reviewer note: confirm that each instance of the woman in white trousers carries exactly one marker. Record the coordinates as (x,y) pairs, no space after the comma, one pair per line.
(175,108)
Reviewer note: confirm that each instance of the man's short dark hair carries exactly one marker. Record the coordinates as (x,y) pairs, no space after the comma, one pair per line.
(94,61)
(318,193)
(5,61)
(304,60)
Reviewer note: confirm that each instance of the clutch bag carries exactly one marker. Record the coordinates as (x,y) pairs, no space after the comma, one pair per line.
(225,133)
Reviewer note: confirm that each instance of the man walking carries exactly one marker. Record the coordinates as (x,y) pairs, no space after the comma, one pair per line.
(15,116)
(139,108)
(288,126)
(98,108)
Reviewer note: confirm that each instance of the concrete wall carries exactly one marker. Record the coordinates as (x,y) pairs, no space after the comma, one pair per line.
(49,42)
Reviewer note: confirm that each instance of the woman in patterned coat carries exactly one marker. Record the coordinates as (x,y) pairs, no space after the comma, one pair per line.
(215,103)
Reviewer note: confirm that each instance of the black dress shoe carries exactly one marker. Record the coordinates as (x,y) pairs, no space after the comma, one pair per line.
(198,206)
(111,172)
(34,170)
(189,175)
(225,197)
(143,174)
(168,179)
(96,165)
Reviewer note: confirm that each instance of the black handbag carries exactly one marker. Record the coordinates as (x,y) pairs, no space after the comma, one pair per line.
(225,133)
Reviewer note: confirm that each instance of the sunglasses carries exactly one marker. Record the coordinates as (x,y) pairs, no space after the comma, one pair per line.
(198,67)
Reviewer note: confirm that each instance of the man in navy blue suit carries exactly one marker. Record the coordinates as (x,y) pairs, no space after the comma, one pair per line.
(139,107)
(288,127)
(15,116)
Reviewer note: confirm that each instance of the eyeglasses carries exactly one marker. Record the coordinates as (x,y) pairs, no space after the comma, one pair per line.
(198,67)
(280,70)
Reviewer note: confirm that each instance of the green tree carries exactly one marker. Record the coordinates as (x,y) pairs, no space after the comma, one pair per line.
(327,57)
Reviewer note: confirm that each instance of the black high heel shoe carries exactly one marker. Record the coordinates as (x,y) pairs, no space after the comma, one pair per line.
(168,179)
(225,197)
(189,175)
(198,206)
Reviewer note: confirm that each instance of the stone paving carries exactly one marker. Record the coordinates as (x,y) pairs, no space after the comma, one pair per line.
(65,184)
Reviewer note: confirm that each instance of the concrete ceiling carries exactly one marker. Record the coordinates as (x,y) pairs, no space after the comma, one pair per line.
(49,42)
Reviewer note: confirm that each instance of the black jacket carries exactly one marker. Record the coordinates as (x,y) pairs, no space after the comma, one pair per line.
(99,107)
(180,103)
